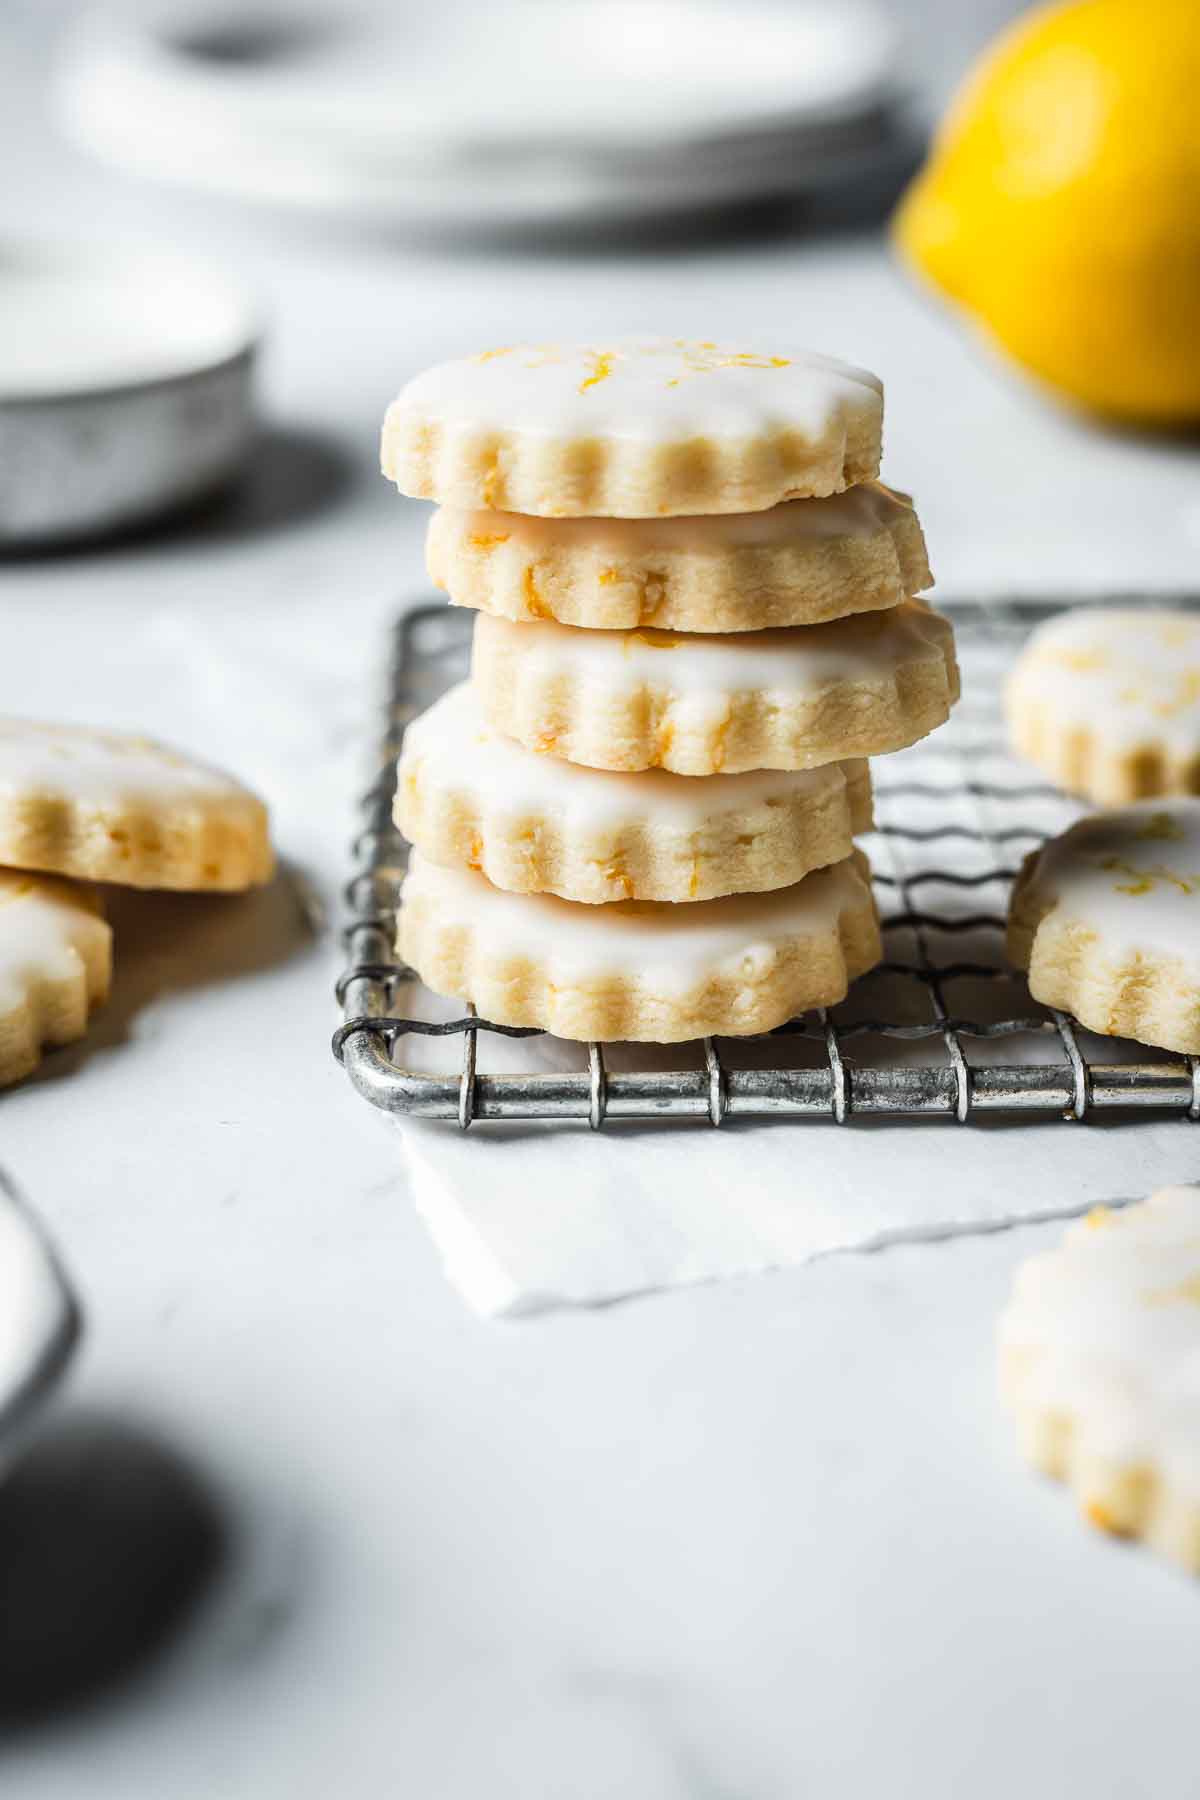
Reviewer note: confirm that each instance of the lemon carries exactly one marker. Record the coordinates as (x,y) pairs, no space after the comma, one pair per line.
(1061,204)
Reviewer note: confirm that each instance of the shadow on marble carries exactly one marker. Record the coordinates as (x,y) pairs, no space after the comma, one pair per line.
(1172,444)
(166,943)
(294,476)
(108,1541)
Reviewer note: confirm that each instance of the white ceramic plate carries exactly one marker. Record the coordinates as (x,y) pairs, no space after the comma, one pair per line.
(466,112)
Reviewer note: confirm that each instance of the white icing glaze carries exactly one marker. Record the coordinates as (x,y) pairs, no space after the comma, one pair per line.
(42,925)
(676,945)
(793,660)
(461,752)
(858,512)
(644,390)
(1133,676)
(1113,1319)
(1132,876)
(102,769)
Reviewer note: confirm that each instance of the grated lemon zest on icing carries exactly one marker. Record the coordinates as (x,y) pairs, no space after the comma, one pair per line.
(705,359)
(490,479)
(616,872)
(653,638)
(1144,881)
(1099,1515)
(533,599)
(718,743)
(1160,828)
(1186,697)
(1186,1292)
(602,362)
(1080,662)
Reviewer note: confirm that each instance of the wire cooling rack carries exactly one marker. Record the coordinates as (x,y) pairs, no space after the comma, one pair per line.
(944,1028)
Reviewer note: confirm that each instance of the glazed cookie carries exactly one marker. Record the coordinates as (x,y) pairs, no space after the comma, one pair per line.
(55,967)
(1108,703)
(533,824)
(800,563)
(639,969)
(1106,918)
(1099,1348)
(789,699)
(112,808)
(636,428)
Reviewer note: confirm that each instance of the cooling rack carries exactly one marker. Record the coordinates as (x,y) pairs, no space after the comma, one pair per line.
(943,1029)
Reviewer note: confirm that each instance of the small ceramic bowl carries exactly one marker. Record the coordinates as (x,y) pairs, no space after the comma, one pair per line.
(125,390)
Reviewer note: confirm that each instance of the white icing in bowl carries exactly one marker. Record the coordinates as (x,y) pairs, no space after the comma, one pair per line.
(82,323)
(125,388)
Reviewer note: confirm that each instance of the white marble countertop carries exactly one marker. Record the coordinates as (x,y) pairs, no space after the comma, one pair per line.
(763,1539)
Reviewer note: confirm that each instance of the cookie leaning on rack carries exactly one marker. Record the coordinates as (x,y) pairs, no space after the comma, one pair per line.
(1106,919)
(1106,702)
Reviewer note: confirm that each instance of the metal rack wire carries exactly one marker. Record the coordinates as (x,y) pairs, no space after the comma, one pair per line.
(954,816)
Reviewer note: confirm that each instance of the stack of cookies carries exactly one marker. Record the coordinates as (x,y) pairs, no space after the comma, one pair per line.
(696,620)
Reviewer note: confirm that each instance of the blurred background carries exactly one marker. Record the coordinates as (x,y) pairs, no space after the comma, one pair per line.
(362,189)
(229,232)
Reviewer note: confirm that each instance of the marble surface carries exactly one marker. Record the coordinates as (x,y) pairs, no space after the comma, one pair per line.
(766,1538)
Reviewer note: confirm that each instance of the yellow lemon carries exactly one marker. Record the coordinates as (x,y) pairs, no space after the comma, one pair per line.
(1061,203)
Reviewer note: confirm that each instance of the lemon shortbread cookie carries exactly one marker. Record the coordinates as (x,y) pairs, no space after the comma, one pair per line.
(1108,703)
(466,794)
(639,969)
(788,699)
(1100,1362)
(112,808)
(800,563)
(633,428)
(55,966)
(1106,918)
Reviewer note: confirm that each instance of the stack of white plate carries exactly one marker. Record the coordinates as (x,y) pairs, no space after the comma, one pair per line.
(502,115)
